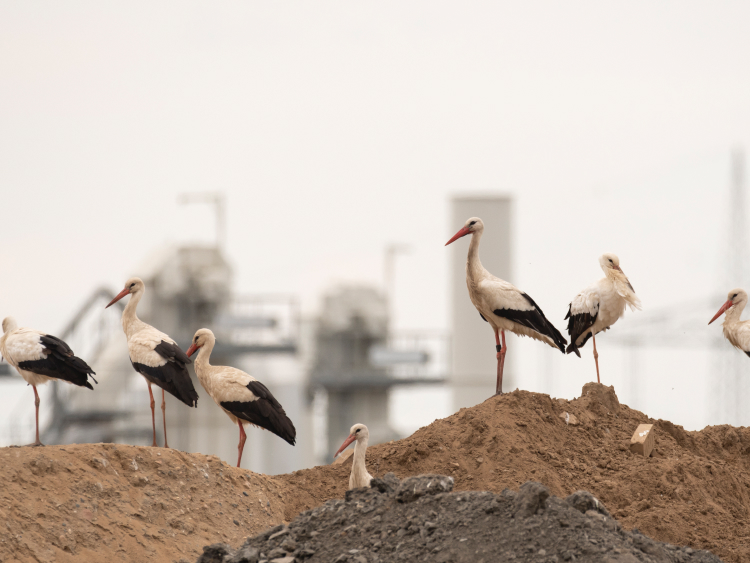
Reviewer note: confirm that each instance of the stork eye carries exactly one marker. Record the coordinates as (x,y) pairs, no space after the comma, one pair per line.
(733,296)
(610,261)
(132,284)
(470,224)
(358,429)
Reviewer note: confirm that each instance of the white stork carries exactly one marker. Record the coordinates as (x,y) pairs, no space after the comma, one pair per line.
(245,399)
(155,356)
(359,476)
(40,357)
(502,304)
(599,306)
(735,330)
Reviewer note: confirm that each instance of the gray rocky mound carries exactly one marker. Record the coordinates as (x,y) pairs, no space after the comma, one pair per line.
(420,519)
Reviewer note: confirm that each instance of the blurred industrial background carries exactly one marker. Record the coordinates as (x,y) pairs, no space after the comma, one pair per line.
(288,178)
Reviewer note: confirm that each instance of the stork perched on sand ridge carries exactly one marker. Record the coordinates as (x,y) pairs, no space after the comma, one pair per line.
(155,356)
(40,357)
(243,398)
(599,306)
(502,304)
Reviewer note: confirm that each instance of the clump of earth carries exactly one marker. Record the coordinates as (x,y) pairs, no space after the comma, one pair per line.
(421,519)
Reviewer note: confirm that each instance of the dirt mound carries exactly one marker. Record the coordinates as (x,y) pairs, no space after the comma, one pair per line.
(694,490)
(107,502)
(91,503)
(419,519)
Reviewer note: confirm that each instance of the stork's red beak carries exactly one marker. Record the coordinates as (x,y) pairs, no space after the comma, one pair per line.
(119,296)
(348,441)
(192,350)
(723,310)
(462,233)
(616,268)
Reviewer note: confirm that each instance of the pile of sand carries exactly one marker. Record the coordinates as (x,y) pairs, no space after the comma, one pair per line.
(123,503)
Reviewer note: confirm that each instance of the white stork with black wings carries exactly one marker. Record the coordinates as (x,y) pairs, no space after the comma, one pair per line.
(599,306)
(41,357)
(155,355)
(243,398)
(502,304)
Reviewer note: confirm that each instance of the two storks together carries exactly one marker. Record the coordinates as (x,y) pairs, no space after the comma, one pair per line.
(505,307)
(161,362)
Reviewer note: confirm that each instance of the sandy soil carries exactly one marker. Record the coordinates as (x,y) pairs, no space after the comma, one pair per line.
(122,503)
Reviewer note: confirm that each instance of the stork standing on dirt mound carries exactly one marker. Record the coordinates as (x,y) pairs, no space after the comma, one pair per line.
(735,330)
(155,356)
(40,357)
(599,306)
(245,399)
(359,476)
(502,304)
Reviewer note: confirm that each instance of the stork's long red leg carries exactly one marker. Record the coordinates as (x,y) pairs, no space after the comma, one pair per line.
(164,417)
(153,415)
(596,358)
(502,362)
(501,350)
(38,442)
(241,445)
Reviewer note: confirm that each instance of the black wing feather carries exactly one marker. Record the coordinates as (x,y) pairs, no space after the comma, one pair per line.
(60,363)
(577,325)
(170,351)
(265,412)
(535,320)
(173,376)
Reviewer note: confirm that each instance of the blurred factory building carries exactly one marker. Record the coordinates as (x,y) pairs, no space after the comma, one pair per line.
(329,371)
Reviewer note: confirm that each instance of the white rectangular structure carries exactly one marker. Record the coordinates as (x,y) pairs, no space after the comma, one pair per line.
(472,379)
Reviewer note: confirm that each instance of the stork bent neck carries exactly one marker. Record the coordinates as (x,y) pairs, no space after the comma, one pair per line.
(130,321)
(734,313)
(204,354)
(359,477)
(474,268)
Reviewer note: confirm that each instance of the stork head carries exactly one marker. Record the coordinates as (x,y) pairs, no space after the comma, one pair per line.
(357,432)
(9,324)
(472,225)
(609,262)
(202,337)
(737,296)
(133,285)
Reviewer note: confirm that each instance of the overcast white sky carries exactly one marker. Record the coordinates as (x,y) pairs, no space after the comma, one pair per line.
(337,127)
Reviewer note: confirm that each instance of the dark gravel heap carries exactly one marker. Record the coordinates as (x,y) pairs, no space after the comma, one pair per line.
(420,519)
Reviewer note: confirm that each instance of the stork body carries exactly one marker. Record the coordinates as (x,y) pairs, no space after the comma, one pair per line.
(243,398)
(359,476)
(735,330)
(501,304)
(155,356)
(41,357)
(599,306)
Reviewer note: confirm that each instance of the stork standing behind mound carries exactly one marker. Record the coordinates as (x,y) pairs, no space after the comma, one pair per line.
(155,356)
(502,304)
(40,357)
(735,330)
(245,399)
(359,476)
(599,306)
